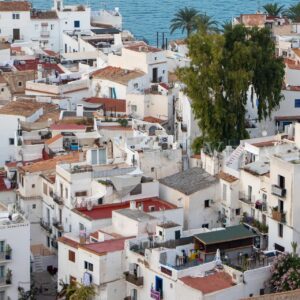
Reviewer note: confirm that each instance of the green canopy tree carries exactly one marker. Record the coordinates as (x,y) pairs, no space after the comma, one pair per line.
(185,19)
(223,69)
(293,12)
(273,9)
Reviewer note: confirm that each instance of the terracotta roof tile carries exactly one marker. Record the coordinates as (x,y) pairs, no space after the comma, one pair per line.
(115,74)
(53,139)
(118,105)
(102,248)
(50,164)
(153,120)
(227,177)
(68,242)
(15,6)
(143,47)
(209,284)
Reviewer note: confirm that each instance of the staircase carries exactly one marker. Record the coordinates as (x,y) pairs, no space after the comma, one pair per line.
(38,264)
(235,155)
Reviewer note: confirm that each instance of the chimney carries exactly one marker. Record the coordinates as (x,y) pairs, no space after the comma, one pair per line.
(79,110)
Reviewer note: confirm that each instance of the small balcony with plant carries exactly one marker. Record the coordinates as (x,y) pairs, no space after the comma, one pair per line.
(278,215)
(252,222)
(6,255)
(46,226)
(7,279)
(133,276)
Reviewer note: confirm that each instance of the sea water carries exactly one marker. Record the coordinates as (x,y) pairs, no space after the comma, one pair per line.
(144,18)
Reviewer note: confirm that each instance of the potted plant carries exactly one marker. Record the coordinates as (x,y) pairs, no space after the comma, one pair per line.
(8,252)
(8,276)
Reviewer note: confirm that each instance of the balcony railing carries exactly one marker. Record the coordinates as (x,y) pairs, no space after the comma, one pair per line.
(57,199)
(4,256)
(54,243)
(45,34)
(278,216)
(278,191)
(46,226)
(138,281)
(58,225)
(245,198)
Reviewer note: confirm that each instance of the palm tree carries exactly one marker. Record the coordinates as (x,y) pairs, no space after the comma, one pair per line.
(273,9)
(206,23)
(293,12)
(78,291)
(185,19)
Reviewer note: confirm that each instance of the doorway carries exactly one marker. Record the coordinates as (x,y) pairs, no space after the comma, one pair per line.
(16,34)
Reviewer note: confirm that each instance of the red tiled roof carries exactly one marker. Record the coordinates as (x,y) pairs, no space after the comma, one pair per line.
(68,242)
(104,211)
(32,64)
(153,120)
(53,139)
(67,127)
(103,247)
(143,47)
(118,105)
(51,53)
(209,284)
(15,6)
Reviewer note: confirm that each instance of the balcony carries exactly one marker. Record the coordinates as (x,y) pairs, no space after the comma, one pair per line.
(261,205)
(245,198)
(137,281)
(255,224)
(45,34)
(57,225)
(278,216)
(46,226)
(278,191)
(57,199)
(6,280)
(54,243)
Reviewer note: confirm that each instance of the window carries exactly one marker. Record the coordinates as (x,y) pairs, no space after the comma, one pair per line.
(52,26)
(237,211)
(2,90)
(81,194)
(33,206)
(206,203)
(136,85)
(281,181)
(11,141)
(297,103)
(88,266)
(45,188)
(280,230)
(20,83)
(76,24)
(206,225)
(1,271)
(2,295)
(66,193)
(36,26)
(133,108)
(33,186)
(152,169)
(71,256)
(2,243)
(16,16)
(100,201)
(160,233)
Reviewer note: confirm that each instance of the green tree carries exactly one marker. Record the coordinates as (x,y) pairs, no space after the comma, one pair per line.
(222,69)
(273,9)
(206,23)
(185,19)
(286,273)
(293,12)
(76,291)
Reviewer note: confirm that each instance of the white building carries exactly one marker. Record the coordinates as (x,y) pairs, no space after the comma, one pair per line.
(197,192)
(14,254)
